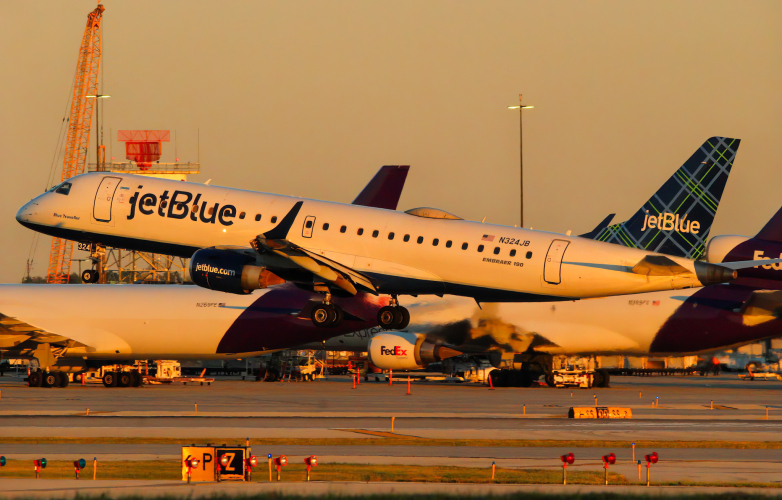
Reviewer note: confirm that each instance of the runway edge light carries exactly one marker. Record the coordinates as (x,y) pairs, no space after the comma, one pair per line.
(311,461)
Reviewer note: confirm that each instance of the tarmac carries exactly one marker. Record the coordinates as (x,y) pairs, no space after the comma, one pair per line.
(61,488)
(722,408)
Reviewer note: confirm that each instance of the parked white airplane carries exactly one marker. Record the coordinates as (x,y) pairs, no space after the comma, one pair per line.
(232,235)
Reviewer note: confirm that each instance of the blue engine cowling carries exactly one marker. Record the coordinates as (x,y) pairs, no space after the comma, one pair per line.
(225,271)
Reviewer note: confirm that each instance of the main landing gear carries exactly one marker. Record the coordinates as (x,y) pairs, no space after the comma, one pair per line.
(394,316)
(327,315)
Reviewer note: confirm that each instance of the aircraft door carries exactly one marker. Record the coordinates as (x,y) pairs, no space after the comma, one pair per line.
(309,225)
(104,198)
(553,266)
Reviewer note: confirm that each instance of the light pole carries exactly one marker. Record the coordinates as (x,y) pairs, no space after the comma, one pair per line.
(97,127)
(521,107)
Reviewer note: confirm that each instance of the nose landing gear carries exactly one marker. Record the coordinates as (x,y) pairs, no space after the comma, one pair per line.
(394,316)
(90,276)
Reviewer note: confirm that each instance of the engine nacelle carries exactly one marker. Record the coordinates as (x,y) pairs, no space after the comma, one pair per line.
(720,246)
(225,271)
(405,351)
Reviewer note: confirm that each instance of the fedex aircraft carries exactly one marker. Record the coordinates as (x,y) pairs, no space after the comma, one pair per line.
(233,235)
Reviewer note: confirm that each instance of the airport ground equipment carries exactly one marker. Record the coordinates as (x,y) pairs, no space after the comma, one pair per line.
(215,463)
(85,85)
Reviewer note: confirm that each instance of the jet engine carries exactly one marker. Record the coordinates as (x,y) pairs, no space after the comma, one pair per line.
(405,351)
(720,246)
(225,271)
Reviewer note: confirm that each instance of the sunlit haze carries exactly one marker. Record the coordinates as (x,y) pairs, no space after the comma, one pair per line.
(311,98)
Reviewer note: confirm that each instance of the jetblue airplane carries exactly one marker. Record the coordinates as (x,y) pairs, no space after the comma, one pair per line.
(233,235)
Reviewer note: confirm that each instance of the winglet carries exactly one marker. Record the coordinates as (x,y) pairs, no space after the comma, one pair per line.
(772,231)
(604,224)
(385,188)
(280,232)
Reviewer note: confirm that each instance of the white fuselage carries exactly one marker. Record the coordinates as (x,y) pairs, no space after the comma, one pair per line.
(406,254)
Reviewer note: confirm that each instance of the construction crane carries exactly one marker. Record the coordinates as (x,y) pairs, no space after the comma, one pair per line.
(85,84)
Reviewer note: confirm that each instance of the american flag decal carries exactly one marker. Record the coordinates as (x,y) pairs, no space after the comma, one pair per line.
(487,237)
(656,303)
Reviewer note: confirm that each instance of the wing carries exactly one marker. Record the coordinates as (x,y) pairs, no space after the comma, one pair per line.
(289,260)
(18,338)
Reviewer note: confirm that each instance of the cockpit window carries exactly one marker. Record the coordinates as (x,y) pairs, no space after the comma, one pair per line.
(63,188)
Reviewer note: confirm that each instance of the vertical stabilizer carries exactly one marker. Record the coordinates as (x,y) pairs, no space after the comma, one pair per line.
(677,219)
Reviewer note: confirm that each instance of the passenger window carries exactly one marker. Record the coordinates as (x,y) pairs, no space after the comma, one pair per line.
(164,204)
(274,219)
(195,209)
(241,215)
(406,238)
(64,188)
(360,231)
(325,226)
(420,239)
(529,255)
(480,248)
(375,233)
(448,244)
(464,246)
(208,212)
(308,224)
(390,236)
(149,202)
(513,253)
(435,242)
(496,250)
(257,217)
(343,229)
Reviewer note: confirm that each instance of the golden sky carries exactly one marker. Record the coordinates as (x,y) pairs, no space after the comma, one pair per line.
(311,98)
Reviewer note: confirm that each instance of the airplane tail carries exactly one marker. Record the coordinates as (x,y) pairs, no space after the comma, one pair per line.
(677,219)
(772,231)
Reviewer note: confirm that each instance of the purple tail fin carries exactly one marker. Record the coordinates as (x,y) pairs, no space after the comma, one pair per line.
(772,231)
(385,188)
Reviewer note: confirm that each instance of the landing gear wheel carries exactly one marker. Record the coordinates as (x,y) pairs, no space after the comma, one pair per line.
(393,317)
(404,318)
(35,379)
(64,380)
(90,276)
(598,379)
(339,315)
(110,379)
(124,379)
(324,315)
(51,379)
(550,380)
(135,379)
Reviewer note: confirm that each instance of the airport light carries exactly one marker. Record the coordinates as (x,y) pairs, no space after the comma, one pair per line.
(521,107)
(249,463)
(609,459)
(281,462)
(566,460)
(191,463)
(311,461)
(650,459)
(78,465)
(39,464)
(97,126)
(2,462)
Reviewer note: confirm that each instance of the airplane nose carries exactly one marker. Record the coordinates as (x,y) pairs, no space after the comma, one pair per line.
(24,213)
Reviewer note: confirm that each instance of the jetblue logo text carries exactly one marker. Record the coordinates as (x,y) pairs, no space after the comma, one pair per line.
(215,270)
(396,351)
(667,221)
(178,206)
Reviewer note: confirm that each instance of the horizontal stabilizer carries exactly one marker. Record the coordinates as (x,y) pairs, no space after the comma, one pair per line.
(763,303)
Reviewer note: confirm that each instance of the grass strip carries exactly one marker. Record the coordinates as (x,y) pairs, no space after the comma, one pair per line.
(402,440)
(171,470)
